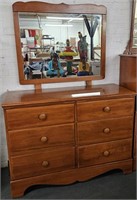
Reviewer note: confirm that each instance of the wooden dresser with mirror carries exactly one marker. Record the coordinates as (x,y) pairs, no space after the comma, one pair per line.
(63,135)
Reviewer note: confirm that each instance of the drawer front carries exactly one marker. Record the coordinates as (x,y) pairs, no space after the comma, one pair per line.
(104,130)
(39,116)
(105,109)
(105,152)
(42,162)
(42,137)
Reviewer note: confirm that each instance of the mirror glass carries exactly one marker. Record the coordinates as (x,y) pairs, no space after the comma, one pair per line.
(59,42)
(60,45)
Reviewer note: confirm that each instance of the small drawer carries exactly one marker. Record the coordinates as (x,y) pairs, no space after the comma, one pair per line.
(104,130)
(105,152)
(44,161)
(42,137)
(105,109)
(39,116)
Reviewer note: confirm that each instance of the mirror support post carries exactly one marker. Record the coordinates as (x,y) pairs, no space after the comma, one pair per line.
(38,88)
(88,83)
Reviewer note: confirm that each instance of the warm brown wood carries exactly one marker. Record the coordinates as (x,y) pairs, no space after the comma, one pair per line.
(61,8)
(31,164)
(55,138)
(92,132)
(38,7)
(128,71)
(105,152)
(41,137)
(128,79)
(88,111)
(40,116)
(38,87)
(27,98)
(70,176)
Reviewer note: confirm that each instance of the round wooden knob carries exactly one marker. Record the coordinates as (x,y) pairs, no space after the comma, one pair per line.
(106,130)
(44,139)
(106,153)
(106,109)
(42,116)
(45,163)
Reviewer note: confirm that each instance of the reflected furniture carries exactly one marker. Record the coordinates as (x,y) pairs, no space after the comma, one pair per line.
(57,138)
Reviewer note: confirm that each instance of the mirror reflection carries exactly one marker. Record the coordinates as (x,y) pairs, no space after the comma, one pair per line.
(135,27)
(60,45)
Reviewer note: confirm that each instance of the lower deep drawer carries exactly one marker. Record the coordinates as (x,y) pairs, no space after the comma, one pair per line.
(44,161)
(105,152)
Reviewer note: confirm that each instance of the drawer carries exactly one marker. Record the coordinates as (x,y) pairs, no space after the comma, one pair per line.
(44,161)
(34,138)
(105,152)
(42,137)
(105,109)
(104,130)
(39,116)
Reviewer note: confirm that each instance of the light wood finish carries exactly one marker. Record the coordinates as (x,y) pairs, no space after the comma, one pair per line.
(42,162)
(41,137)
(104,130)
(128,71)
(128,79)
(42,7)
(105,152)
(40,116)
(54,138)
(105,109)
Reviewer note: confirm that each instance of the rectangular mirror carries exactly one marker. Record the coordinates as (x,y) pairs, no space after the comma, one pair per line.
(59,42)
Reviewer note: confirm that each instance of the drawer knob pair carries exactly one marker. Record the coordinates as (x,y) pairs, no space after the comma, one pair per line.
(106,153)
(107,109)
(45,163)
(42,116)
(106,130)
(44,139)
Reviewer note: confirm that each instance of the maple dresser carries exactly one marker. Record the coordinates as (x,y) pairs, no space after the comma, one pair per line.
(55,137)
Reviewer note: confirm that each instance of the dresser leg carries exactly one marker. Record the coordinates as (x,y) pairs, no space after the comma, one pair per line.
(17,190)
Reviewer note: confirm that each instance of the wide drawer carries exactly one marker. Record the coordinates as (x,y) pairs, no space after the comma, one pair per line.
(105,152)
(42,162)
(104,130)
(34,138)
(39,116)
(105,109)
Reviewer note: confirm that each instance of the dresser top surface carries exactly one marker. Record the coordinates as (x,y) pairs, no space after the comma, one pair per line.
(95,92)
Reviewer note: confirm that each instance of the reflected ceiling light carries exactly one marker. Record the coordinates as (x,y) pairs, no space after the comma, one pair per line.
(65,18)
(59,25)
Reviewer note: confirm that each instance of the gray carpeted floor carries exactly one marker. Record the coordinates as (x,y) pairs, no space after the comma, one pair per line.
(112,185)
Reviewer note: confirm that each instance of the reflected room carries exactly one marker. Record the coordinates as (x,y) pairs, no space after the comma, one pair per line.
(60,45)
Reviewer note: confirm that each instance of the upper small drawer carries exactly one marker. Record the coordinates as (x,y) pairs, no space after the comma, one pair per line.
(39,116)
(97,110)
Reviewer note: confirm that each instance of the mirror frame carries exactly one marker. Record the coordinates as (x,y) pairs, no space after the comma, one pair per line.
(129,49)
(58,8)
